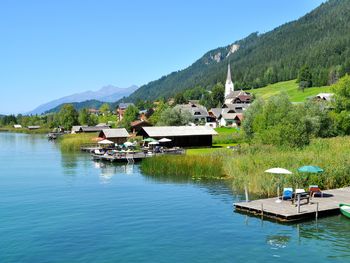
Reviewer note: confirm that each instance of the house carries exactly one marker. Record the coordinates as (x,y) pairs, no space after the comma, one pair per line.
(136,126)
(228,120)
(76,129)
(33,127)
(17,126)
(118,136)
(122,108)
(231,119)
(103,125)
(199,113)
(94,111)
(88,129)
(237,108)
(182,136)
(324,96)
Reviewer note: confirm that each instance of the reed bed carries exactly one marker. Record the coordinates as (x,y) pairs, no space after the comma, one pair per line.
(73,142)
(247,168)
(197,167)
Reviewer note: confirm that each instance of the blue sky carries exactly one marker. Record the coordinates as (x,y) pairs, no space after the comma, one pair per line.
(50,49)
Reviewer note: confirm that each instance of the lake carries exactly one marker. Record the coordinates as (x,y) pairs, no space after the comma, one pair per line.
(59,207)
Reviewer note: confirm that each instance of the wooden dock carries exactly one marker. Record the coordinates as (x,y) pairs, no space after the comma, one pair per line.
(132,157)
(285,211)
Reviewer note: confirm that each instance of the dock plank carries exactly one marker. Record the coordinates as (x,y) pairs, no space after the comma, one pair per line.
(286,211)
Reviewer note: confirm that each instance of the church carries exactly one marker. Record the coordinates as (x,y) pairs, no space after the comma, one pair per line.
(235,103)
(232,96)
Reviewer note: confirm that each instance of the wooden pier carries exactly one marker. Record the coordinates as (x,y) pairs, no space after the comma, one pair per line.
(285,211)
(132,157)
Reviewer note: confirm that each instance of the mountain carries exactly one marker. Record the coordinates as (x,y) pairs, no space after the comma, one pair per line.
(89,104)
(105,94)
(320,39)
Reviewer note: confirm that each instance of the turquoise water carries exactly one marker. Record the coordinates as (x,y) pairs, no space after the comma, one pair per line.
(58,207)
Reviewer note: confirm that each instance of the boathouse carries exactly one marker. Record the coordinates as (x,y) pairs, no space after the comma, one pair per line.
(181,136)
(118,136)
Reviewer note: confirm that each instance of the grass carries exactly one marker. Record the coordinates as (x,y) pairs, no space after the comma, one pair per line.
(25,130)
(246,167)
(73,142)
(291,88)
(195,167)
(207,151)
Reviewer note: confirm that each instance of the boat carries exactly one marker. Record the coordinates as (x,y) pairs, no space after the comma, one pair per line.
(345,209)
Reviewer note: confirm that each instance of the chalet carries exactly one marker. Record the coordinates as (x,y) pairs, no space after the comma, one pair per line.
(88,129)
(94,111)
(75,129)
(324,96)
(237,108)
(198,112)
(182,136)
(231,119)
(118,136)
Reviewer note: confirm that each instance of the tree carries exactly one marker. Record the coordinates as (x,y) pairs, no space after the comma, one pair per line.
(277,122)
(131,113)
(174,117)
(161,107)
(305,77)
(85,118)
(218,94)
(341,105)
(179,98)
(68,116)
(105,109)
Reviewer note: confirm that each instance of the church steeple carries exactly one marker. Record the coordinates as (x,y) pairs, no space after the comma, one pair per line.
(229,87)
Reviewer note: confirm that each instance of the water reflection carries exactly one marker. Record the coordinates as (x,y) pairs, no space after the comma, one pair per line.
(108,170)
(69,163)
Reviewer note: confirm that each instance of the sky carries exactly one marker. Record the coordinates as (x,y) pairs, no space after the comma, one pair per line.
(50,49)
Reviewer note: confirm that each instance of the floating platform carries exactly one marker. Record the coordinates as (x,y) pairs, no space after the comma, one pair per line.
(285,211)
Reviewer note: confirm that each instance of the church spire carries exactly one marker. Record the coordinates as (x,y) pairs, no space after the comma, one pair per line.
(229,84)
(228,73)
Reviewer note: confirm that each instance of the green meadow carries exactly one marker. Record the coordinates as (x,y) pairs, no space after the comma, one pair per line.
(291,88)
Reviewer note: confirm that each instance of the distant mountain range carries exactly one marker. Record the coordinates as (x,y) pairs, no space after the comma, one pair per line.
(105,94)
(320,39)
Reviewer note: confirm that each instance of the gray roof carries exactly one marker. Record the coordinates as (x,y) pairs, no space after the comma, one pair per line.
(116,133)
(228,116)
(76,128)
(164,131)
(196,110)
(216,111)
(93,128)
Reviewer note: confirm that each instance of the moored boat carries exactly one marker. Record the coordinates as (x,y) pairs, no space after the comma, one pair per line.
(345,209)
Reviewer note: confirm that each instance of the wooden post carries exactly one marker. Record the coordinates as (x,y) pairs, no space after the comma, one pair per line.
(316,210)
(246,193)
(262,210)
(298,203)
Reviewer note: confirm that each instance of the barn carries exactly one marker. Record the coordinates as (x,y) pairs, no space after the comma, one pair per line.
(181,136)
(118,136)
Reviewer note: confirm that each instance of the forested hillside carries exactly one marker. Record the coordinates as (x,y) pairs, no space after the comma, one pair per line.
(89,104)
(320,40)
